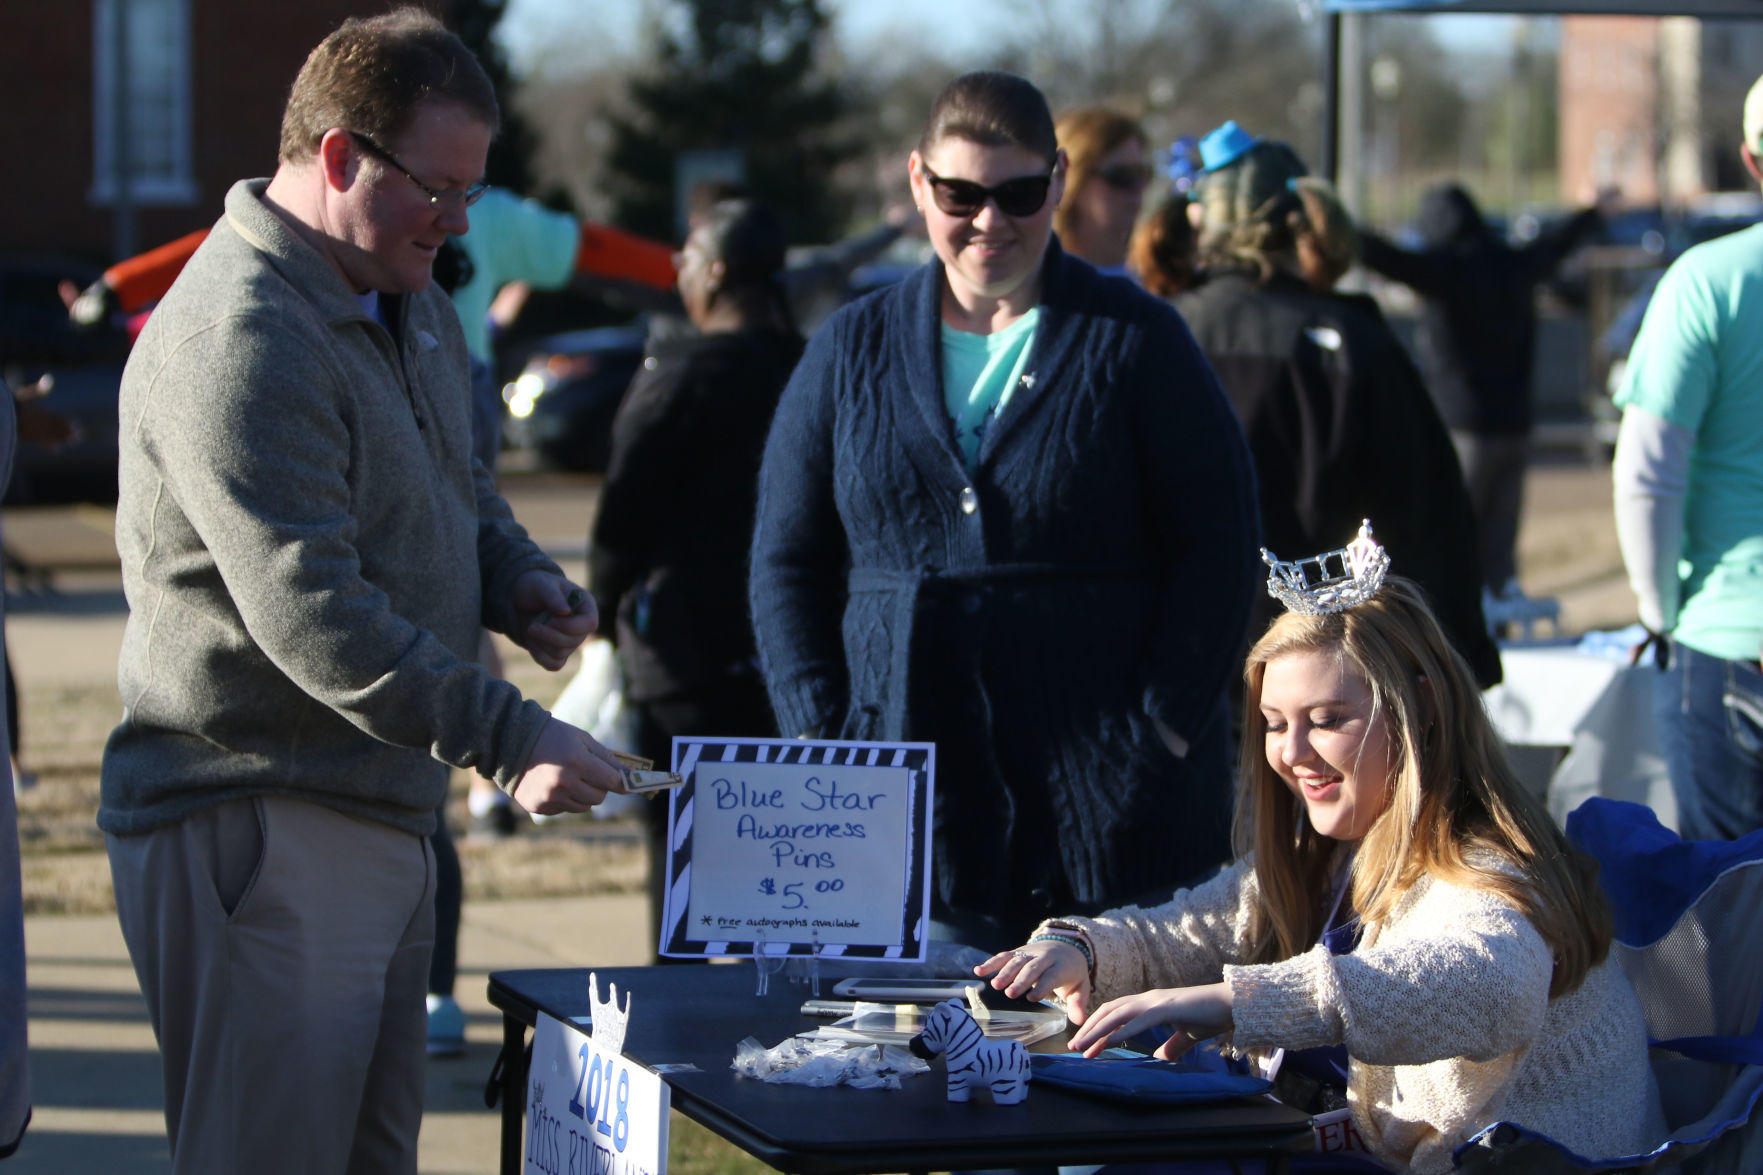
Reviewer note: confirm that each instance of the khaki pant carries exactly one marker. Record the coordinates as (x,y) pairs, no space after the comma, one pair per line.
(283,949)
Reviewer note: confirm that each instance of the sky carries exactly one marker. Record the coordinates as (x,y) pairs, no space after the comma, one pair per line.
(531,28)
(561,34)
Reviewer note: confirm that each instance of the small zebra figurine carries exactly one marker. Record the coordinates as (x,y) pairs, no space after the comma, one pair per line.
(972,1060)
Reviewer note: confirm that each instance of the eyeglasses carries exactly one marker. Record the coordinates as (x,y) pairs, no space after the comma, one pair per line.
(446,200)
(1125,177)
(1023,196)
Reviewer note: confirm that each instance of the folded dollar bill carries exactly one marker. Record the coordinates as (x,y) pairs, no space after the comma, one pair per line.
(640,775)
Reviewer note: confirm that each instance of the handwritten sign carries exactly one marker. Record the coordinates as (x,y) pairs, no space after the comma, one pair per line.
(787,846)
(589,1110)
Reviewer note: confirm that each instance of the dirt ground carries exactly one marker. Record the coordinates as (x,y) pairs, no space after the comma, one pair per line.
(1567,549)
(66,872)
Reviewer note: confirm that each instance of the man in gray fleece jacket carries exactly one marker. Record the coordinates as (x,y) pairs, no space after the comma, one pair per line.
(309,550)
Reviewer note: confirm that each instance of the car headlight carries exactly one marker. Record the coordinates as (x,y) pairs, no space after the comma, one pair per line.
(523,393)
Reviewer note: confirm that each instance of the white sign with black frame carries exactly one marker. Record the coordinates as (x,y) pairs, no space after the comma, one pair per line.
(792,846)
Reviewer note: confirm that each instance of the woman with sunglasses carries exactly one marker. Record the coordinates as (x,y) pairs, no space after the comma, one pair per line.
(1005,508)
(1105,185)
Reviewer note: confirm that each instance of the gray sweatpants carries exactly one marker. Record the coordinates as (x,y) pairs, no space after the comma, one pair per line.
(283,949)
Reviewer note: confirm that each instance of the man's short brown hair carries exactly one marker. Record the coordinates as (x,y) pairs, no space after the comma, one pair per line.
(373,73)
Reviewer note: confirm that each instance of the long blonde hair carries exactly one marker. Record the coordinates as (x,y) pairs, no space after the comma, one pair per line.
(1456,812)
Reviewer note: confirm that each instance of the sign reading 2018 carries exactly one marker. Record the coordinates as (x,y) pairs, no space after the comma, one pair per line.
(797,842)
(590,1111)
(593,1100)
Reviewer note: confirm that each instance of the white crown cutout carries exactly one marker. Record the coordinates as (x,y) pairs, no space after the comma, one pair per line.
(1332,581)
(609,1020)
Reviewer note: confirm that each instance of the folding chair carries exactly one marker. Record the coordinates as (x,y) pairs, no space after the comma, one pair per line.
(1689,933)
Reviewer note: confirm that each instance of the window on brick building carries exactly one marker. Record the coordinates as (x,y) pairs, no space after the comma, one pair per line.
(154,45)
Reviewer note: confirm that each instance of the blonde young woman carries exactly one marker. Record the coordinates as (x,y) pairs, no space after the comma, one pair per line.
(1397,894)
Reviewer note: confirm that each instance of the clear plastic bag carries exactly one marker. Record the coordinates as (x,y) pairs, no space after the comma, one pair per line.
(594,701)
(821,1063)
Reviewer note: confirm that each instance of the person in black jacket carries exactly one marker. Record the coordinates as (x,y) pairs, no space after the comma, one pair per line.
(668,557)
(1336,414)
(1477,341)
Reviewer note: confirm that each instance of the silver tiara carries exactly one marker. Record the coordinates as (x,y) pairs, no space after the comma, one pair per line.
(1332,581)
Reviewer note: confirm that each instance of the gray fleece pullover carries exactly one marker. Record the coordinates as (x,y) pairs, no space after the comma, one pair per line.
(308,548)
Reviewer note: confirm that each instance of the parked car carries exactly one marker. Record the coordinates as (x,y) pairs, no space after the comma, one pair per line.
(37,338)
(561,403)
(560,407)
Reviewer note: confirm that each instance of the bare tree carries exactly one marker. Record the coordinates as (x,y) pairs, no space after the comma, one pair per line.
(1183,66)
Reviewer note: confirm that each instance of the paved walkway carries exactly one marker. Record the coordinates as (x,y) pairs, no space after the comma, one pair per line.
(95,1069)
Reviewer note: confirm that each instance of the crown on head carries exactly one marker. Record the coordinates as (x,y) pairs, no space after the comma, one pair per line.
(1332,581)
(609,1020)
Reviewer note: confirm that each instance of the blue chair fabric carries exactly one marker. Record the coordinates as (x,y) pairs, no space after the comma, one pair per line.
(1689,934)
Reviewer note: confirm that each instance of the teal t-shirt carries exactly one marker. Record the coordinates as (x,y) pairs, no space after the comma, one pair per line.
(1698,364)
(511,239)
(979,373)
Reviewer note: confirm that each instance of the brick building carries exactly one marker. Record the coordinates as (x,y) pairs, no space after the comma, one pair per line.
(1652,105)
(205,84)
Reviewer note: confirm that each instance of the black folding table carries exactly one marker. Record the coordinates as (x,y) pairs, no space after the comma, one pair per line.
(695,1015)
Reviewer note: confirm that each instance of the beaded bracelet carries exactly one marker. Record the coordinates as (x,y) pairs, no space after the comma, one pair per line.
(1082,949)
(1067,931)
(1069,941)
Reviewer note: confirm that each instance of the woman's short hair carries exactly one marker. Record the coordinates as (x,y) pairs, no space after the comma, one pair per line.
(748,238)
(372,74)
(1246,205)
(1088,135)
(1456,813)
(1163,251)
(993,109)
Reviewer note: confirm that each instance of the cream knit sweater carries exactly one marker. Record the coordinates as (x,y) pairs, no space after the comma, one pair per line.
(1444,1011)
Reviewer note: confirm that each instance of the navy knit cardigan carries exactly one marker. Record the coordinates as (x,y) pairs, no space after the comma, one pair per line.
(1030,618)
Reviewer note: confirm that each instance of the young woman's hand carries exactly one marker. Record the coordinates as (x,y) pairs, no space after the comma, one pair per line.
(1194,1014)
(1043,969)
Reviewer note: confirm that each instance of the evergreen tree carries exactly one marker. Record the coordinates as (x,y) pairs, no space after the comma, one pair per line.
(741,75)
(474,21)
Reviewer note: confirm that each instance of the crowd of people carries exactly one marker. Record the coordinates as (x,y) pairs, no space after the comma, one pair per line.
(1019,505)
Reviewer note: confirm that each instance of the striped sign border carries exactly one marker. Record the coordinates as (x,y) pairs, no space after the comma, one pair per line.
(918,758)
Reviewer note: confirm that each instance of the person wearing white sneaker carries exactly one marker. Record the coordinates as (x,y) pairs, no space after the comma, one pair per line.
(446,1027)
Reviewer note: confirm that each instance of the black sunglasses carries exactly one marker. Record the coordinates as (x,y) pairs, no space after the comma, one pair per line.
(1125,177)
(447,200)
(1023,196)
